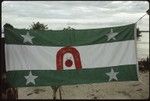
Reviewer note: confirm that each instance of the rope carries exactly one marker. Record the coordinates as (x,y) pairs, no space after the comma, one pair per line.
(140,18)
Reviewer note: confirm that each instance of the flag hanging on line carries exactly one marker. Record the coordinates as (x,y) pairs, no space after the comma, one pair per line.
(66,57)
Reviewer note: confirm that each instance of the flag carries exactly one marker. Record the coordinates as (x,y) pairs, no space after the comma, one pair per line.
(67,57)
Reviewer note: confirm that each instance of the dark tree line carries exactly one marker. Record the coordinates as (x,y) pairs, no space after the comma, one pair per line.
(38,26)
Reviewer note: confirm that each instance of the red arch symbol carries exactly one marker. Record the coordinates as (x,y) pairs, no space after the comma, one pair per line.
(73,51)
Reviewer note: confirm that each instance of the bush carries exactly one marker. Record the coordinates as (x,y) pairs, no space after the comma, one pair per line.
(144,64)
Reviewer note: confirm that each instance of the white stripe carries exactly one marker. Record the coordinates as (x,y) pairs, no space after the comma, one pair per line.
(25,57)
(135,41)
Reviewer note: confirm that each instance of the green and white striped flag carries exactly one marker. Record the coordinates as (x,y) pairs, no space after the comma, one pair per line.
(65,57)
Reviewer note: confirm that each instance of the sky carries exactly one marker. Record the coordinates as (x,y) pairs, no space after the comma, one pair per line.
(77,14)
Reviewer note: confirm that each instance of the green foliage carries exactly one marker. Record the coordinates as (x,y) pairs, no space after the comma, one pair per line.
(138,34)
(8,26)
(144,64)
(38,26)
(68,28)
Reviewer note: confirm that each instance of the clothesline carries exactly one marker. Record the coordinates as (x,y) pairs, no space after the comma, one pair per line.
(147,12)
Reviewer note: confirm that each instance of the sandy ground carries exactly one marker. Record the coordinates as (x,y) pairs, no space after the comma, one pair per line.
(115,90)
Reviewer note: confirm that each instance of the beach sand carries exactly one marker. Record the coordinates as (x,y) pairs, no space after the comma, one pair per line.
(114,90)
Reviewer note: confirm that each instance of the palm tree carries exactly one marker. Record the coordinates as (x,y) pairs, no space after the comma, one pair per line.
(38,26)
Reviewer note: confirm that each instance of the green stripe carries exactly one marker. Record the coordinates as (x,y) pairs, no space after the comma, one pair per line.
(69,77)
(70,37)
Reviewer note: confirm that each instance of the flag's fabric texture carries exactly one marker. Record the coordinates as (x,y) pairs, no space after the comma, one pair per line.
(65,57)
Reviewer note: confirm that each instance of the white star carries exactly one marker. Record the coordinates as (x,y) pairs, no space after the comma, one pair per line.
(112,75)
(111,35)
(27,38)
(30,78)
